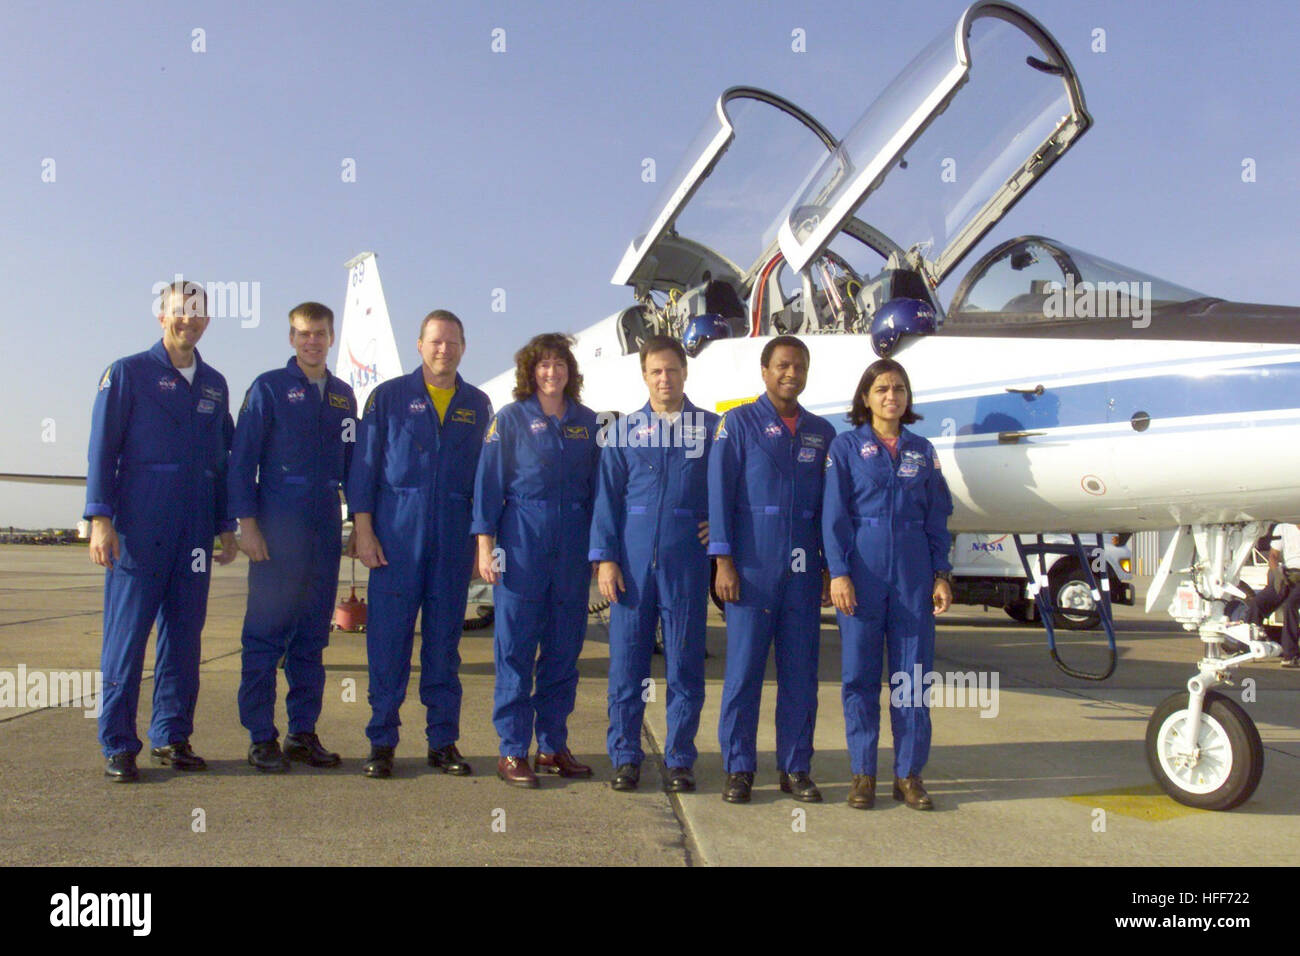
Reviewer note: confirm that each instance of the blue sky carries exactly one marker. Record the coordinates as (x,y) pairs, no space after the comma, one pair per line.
(521,170)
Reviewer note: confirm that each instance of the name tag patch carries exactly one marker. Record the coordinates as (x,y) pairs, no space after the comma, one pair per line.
(807,454)
(908,469)
(463,415)
(206,406)
(576,431)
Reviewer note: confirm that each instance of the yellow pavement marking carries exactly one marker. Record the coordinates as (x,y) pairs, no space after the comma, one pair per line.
(1147,802)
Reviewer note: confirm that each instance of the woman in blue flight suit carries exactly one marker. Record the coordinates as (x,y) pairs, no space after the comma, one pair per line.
(533,499)
(885,530)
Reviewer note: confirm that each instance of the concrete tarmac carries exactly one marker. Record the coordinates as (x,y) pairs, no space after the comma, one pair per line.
(1055,774)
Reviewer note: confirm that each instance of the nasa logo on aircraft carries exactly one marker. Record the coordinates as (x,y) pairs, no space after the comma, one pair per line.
(771,429)
(418,405)
(807,454)
(868,449)
(167,383)
(296,394)
(537,426)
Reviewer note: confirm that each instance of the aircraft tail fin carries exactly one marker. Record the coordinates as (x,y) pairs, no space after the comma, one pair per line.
(367,350)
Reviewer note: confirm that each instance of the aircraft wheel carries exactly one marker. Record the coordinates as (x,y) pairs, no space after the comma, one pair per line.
(1230,754)
(1026,612)
(1072,597)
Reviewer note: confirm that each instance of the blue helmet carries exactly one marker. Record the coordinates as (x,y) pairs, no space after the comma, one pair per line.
(702,330)
(899,317)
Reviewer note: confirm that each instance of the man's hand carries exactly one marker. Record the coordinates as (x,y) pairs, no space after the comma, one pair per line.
(229,548)
(843,595)
(704,533)
(105,549)
(350,545)
(942,596)
(609,579)
(727,583)
(826,587)
(366,543)
(251,541)
(487,569)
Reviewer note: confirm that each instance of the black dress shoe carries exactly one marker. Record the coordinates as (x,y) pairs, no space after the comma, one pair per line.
(121,768)
(307,748)
(680,780)
(801,787)
(738,787)
(267,757)
(449,760)
(626,777)
(380,762)
(179,755)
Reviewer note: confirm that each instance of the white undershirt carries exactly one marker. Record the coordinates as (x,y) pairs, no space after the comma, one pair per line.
(1286,538)
(189,371)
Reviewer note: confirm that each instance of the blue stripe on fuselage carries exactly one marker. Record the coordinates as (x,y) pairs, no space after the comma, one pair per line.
(1255,388)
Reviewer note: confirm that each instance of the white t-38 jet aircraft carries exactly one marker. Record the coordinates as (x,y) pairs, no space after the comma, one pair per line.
(1061,390)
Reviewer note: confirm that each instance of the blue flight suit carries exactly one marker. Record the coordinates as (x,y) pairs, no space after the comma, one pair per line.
(765,500)
(415,476)
(534,492)
(885,524)
(652,494)
(158,447)
(289,458)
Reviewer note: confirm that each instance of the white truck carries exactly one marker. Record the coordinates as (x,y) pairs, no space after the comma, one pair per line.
(986,570)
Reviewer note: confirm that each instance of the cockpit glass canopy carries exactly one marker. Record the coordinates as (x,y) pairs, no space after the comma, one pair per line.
(950,145)
(1029,280)
(729,193)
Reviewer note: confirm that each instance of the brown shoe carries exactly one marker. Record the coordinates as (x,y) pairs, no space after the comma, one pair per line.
(862,795)
(514,771)
(562,763)
(910,791)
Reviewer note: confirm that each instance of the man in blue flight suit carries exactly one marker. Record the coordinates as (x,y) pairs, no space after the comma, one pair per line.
(650,521)
(292,446)
(156,498)
(765,498)
(409,490)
